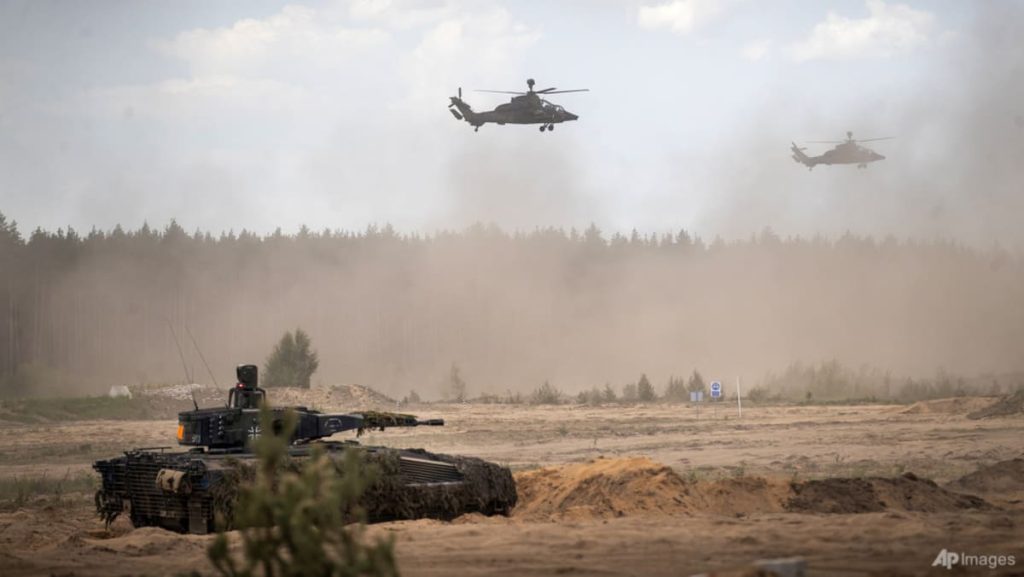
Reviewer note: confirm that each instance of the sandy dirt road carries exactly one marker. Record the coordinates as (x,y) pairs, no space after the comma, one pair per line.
(781,444)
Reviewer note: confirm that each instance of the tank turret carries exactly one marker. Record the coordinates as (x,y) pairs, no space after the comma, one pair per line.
(232,427)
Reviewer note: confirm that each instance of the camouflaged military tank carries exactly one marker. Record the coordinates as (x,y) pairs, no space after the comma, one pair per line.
(193,491)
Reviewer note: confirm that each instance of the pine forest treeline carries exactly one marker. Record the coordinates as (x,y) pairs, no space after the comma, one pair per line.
(79,312)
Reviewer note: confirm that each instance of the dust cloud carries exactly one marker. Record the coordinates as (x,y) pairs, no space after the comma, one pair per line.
(527,184)
(577,308)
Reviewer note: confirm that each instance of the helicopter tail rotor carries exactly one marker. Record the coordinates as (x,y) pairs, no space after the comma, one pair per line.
(462,111)
(456,105)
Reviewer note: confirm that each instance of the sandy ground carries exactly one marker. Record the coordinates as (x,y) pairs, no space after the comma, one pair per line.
(733,477)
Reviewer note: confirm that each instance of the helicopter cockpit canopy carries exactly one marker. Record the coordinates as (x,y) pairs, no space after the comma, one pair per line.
(552,107)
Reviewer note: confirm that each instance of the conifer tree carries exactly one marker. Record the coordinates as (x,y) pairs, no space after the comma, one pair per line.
(292,363)
(644,390)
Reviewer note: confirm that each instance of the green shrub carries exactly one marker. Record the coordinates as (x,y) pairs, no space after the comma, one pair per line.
(759,394)
(629,393)
(454,388)
(297,522)
(546,394)
(608,394)
(644,390)
(676,390)
(292,363)
(594,396)
(696,384)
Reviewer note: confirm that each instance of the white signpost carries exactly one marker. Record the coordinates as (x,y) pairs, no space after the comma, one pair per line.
(716,395)
(739,404)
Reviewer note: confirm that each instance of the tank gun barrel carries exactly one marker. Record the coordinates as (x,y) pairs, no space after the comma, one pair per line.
(370,420)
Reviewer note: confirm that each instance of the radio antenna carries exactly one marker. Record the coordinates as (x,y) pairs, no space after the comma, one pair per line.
(203,358)
(181,354)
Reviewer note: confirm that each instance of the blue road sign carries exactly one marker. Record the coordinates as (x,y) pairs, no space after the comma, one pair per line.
(716,389)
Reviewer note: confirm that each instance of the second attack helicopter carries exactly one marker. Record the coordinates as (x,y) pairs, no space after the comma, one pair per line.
(524,108)
(845,152)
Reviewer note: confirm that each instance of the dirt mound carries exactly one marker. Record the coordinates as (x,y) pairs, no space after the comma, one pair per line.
(337,398)
(147,541)
(604,488)
(176,398)
(600,488)
(358,395)
(1002,478)
(875,494)
(951,406)
(1005,407)
(738,496)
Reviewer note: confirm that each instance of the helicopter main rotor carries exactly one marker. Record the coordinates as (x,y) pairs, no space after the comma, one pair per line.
(529,84)
(849,138)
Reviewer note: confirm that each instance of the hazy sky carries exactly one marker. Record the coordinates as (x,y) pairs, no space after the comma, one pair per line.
(257,114)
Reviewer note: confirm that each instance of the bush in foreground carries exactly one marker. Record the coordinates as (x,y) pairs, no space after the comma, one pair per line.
(297,522)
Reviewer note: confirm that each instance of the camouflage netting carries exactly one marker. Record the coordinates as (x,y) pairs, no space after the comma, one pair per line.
(487,488)
(224,492)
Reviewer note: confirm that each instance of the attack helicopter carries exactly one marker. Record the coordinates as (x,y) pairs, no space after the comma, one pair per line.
(524,108)
(845,152)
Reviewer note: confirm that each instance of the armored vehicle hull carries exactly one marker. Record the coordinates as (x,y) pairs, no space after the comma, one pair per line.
(195,491)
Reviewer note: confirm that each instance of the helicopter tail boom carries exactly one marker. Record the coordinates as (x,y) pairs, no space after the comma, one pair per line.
(462,111)
(799,156)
